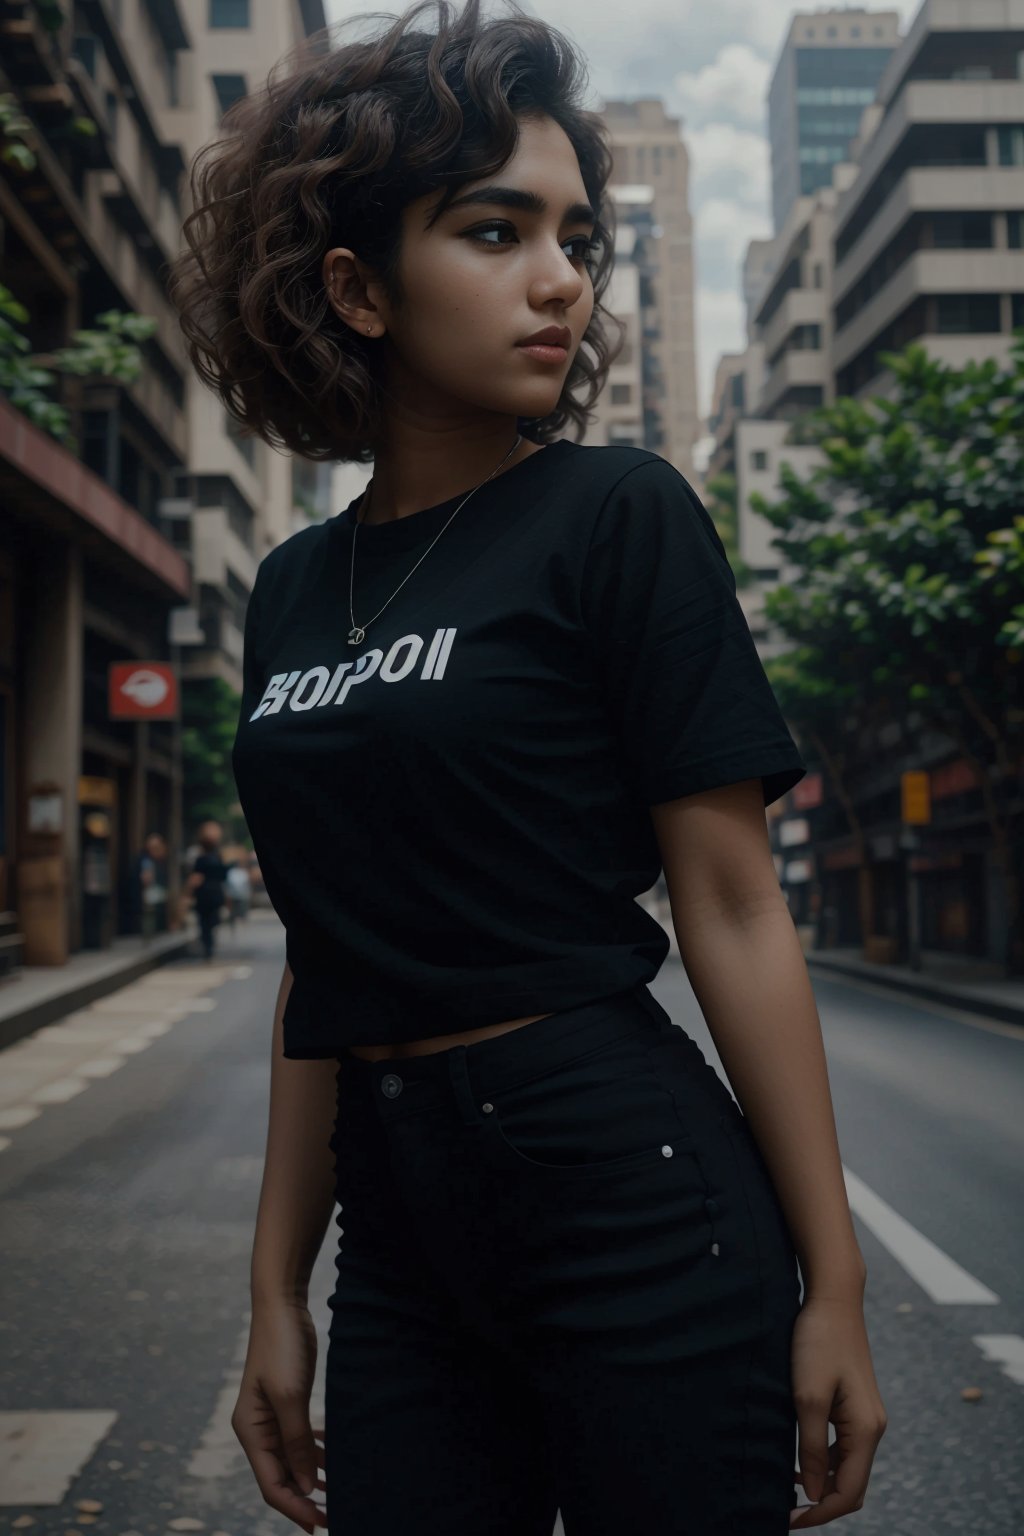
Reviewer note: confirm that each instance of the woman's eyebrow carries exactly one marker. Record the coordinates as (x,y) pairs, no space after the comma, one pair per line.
(527,202)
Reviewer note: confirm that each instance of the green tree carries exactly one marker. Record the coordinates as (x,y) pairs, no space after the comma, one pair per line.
(720,499)
(909,601)
(209,718)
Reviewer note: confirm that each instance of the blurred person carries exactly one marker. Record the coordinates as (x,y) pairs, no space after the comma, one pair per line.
(484,707)
(150,879)
(239,889)
(207,883)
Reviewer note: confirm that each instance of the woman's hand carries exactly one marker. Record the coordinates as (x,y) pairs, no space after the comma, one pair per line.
(271,1416)
(833,1380)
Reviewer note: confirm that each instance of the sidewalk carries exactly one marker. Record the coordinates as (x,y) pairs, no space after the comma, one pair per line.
(977,985)
(980,986)
(41,994)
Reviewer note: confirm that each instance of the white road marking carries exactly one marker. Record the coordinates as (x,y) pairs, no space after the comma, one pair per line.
(41,1452)
(59,1061)
(941,1277)
(219,1451)
(1007,1349)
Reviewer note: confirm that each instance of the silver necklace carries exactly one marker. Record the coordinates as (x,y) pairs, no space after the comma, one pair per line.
(357,633)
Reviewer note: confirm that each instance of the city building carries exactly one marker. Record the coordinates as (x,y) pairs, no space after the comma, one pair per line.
(928,237)
(649,151)
(620,414)
(827,72)
(149,512)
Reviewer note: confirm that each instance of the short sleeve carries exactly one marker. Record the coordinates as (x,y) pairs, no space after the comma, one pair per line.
(690,701)
(252,662)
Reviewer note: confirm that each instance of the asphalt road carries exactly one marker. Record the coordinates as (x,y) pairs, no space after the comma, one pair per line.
(128,1191)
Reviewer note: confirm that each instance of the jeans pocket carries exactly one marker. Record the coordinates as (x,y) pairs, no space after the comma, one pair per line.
(600,1113)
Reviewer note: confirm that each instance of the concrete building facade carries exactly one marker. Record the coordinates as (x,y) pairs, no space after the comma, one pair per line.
(929,234)
(648,150)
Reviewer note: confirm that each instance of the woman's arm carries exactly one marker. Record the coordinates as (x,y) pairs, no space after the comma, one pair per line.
(297,1195)
(743,958)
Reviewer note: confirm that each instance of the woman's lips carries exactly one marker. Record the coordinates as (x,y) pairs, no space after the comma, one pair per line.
(545,353)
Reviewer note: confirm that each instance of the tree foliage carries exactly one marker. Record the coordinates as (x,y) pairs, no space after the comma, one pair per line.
(908,546)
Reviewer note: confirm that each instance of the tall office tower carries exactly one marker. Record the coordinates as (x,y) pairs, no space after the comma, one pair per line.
(829,67)
(649,151)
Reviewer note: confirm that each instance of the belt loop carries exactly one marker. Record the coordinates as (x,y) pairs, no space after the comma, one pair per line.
(458,1067)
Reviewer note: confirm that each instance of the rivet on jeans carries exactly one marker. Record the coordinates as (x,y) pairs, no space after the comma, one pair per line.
(487,1108)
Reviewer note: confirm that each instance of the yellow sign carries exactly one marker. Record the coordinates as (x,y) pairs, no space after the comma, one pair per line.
(94,791)
(915,797)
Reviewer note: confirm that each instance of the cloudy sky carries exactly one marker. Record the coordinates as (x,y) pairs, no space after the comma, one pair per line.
(711,64)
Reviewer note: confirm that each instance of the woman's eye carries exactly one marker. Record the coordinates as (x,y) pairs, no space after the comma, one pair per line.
(586,247)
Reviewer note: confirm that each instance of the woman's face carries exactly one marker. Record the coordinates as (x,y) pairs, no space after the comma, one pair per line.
(485,277)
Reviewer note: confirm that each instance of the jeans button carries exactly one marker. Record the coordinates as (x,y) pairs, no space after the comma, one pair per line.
(390,1085)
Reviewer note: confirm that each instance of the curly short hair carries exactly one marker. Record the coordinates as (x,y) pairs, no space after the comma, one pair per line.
(329,152)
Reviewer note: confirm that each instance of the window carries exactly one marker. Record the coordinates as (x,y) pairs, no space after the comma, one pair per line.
(759,459)
(1016,310)
(962,231)
(1015,231)
(110,106)
(229,89)
(967,314)
(819,275)
(622,394)
(84,50)
(229,13)
(855,31)
(1011,146)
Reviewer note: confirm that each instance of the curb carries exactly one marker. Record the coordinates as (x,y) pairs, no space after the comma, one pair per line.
(953,996)
(15,1025)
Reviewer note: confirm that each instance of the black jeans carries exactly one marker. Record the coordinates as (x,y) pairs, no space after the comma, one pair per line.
(565,1282)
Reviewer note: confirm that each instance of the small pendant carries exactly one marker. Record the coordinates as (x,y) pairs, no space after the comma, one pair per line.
(356,636)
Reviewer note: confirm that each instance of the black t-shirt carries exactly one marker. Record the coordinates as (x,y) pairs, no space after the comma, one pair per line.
(452,818)
(214,871)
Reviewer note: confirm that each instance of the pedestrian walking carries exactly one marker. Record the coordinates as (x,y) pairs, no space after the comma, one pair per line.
(207,882)
(484,707)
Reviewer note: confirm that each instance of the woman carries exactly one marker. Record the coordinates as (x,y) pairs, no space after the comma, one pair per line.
(484,707)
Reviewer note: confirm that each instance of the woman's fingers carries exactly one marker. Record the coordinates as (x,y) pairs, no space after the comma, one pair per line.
(279,1491)
(852,1455)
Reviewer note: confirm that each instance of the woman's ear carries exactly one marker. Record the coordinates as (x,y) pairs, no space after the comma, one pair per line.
(348,283)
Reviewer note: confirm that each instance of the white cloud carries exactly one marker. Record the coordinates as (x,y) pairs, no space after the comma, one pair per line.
(724,230)
(728,161)
(733,84)
(720,328)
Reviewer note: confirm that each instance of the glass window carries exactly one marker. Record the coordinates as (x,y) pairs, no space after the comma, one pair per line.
(110,103)
(229,13)
(228,89)
(967,314)
(1015,231)
(84,49)
(1011,146)
(759,459)
(622,394)
(962,231)
(1017,310)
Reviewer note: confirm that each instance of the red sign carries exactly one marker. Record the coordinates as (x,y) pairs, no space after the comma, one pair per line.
(142,690)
